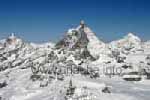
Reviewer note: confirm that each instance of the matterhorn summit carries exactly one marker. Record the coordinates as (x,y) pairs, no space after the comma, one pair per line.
(83,37)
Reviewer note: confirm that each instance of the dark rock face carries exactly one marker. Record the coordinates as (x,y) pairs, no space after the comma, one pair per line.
(73,40)
(132,79)
(83,40)
(76,39)
(86,54)
(106,90)
(60,44)
(4,84)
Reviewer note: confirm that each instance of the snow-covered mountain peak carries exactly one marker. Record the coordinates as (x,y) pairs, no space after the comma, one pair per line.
(13,39)
(83,37)
(128,43)
(11,42)
(131,34)
(132,37)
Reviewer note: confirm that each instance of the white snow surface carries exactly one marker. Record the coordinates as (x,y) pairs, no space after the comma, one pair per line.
(20,87)
(17,55)
(128,41)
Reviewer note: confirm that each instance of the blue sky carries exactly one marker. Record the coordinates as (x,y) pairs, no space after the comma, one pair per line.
(44,20)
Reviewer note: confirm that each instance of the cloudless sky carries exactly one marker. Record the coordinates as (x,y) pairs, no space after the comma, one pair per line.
(44,20)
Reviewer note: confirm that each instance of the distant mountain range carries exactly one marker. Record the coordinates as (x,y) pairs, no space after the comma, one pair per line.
(78,45)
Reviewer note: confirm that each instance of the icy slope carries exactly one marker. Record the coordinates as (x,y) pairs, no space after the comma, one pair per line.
(146,46)
(127,43)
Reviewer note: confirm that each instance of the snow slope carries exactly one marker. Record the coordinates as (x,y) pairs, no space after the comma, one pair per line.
(95,44)
(127,43)
(20,61)
(22,88)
